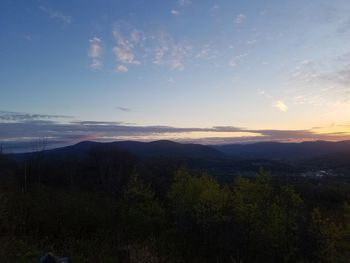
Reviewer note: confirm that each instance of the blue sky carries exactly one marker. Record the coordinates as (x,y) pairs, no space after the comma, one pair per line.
(201,71)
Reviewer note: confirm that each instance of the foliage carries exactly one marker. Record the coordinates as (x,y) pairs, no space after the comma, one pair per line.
(141,214)
(100,209)
(269,220)
(198,198)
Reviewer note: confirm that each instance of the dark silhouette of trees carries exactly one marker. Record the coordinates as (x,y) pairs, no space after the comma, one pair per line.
(93,207)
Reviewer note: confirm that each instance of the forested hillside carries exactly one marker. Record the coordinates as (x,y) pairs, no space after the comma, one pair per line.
(114,207)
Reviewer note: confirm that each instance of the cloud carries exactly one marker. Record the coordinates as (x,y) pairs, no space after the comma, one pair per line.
(306,62)
(176,63)
(11,116)
(96,64)
(95,52)
(240,19)
(122,69)
(18,135)
(321,83)
(236,60)
(124,51)
(232,63)
(208,52)
(134,47)
(123,108)
(159,54)
(174,12)
(280,105)
(331,74)
(97,123)
(54,14)
(125,54)
(171,53)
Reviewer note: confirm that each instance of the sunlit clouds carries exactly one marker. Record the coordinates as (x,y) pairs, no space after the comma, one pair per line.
(23,129)
(134,47)
(95,52)
(137,48)
(280,105)
(124,51)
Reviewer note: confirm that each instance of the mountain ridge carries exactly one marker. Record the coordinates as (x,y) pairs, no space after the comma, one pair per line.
(265,150)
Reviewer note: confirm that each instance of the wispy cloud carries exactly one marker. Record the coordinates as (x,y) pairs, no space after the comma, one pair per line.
(280,105)
(135,47)
(174,12)
(169,52)
(125,54)
(207,52)
(11,116)
(123,108)
(124,51)
(321,83)
(122,69)
(54,14)
(233,62)
(240,19)
(95,52)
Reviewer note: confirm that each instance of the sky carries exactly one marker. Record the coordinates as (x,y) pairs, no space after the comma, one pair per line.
(201,71)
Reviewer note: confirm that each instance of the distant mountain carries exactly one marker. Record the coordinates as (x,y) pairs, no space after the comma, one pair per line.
(221,160)
(261,150)
(277,150)
(141,149)
(168,148)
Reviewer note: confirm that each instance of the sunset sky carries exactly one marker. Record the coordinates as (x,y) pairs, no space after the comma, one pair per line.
(186,70)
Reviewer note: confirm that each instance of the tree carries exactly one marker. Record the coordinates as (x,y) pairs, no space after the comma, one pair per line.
(323,239)
(199,210)
(141,213)
(268,220)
